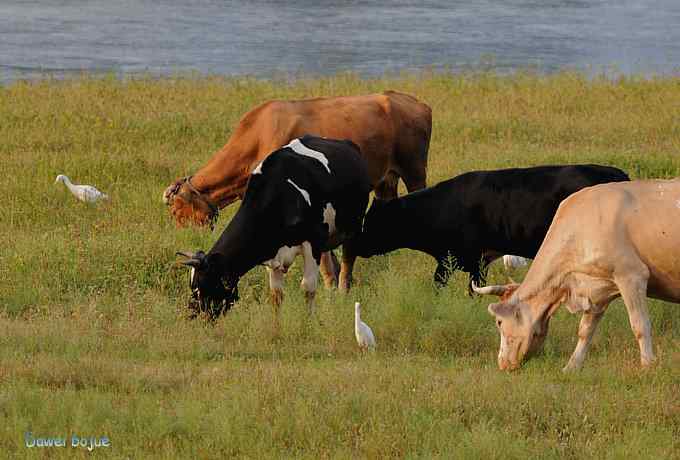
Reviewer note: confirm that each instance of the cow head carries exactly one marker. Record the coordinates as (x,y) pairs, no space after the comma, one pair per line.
(188,205)
(522,334)
(378,228)
(211,291)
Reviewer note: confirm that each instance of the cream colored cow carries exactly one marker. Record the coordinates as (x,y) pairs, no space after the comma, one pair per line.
(609,240)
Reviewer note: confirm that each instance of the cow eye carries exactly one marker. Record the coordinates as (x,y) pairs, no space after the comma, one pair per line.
(498,323)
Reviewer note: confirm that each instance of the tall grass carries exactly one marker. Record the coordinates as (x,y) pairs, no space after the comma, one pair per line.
(93,339)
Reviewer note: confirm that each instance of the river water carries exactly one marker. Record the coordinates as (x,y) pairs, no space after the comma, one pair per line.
(304,37)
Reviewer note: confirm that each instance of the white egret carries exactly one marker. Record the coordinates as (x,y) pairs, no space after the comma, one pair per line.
(363,333)
(85,193)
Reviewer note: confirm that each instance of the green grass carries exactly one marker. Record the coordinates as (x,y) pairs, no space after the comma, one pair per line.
(93,339)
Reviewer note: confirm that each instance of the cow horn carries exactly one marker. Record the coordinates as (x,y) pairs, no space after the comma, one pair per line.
(498,290)
(192,263)
(192,259)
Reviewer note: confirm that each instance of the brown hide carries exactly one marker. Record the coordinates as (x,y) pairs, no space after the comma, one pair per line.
(391,129)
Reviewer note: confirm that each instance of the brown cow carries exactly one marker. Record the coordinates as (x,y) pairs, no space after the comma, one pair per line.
(391,129)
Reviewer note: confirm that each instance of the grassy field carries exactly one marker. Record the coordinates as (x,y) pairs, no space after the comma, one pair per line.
(93,340)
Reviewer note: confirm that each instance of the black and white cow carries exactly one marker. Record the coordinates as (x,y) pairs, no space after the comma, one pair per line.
(468,221)
(305,198)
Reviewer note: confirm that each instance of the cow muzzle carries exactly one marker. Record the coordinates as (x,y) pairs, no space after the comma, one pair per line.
(190,206)
(507,365)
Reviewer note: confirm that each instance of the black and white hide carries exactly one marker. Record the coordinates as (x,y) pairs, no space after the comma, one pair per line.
(305,198)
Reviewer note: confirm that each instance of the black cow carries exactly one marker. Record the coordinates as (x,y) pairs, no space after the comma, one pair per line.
(305,198)
(468,221)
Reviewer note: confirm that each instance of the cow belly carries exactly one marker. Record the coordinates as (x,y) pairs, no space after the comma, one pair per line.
(663,287)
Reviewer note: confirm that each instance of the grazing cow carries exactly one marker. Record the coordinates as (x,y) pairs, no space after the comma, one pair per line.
(391,129)
(605,241)
(307,197)
(470,220)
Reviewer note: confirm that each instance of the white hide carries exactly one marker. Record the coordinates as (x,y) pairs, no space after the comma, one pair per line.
(282,261)
(329,218)
(504,347)
(275,279)
(284,258)
(310,277)
(303,192)
(301,149)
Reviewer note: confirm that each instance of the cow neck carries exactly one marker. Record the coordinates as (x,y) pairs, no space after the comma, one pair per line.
(235,244)
(224,179)
(542,287)
(411,222)
(243,244)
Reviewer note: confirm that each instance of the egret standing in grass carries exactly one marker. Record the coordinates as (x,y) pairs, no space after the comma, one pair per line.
(85,193)
(364,334)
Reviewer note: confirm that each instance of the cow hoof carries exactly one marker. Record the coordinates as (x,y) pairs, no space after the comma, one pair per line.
(344,286)
(647,363)
(571,368)
(330,283)
(277,298)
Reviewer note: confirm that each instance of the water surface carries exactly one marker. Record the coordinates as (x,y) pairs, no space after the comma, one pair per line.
(265,38)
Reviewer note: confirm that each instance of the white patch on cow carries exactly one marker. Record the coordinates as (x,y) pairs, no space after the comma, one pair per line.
(303,192)
(192,281)
(275,279)
(329,218)
(301,149)
(258,168)
(284,258)
(310,277)
(503,350)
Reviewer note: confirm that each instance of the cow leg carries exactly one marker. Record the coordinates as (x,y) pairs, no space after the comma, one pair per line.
(586,329)
(634,293)
(387,188)
(347,266)
(276,288)
(310,277)
(330,269)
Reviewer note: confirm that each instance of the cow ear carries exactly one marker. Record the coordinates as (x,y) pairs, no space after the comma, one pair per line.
(501,309)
